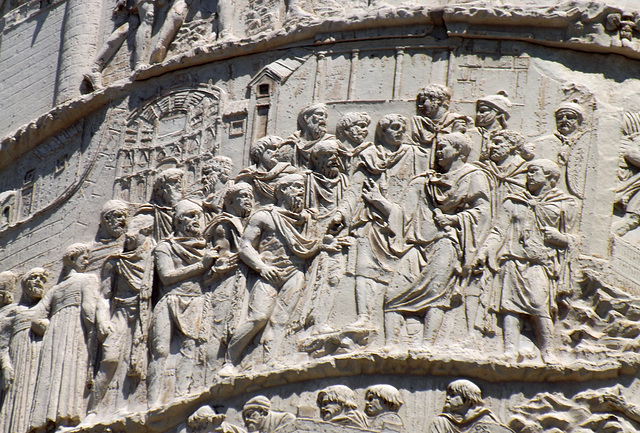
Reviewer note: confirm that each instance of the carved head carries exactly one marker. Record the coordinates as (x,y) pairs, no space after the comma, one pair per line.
(312,120)
(450,147)
(168,187)
(542,174)
(492,108)
(263,152)
(569,117)
(7,286)
(189,219)
(325,158)
(254,413)
(462,395)
(113,218)
(503,143)
(33,283)
(391,129)
(432,98)
(205,420)
(76,257)
(140,228)
(217,169)
(289,191)
(238,200)
(381,398)
(333,400)
(353,127)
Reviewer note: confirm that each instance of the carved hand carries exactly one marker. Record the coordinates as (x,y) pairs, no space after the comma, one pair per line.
(271,274)
(209,257)
(7,377)
(443,220)
(553,236)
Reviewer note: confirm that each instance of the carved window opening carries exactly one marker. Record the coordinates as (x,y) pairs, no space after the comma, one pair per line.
(263,90)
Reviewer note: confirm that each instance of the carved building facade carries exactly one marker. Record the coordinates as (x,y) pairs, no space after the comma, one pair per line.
(319,216)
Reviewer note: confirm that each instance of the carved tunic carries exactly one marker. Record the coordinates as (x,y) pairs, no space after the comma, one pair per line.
(530,266)
(66,361)
(24,352)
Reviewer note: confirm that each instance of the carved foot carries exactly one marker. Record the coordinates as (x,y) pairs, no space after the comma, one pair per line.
(228,370)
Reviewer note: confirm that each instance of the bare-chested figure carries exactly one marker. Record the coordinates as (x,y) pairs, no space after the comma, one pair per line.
(274,245)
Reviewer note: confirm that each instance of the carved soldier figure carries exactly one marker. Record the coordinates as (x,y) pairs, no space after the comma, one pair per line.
(67,316)
(312,128)
(7,286)
(492,114)
(167,192)
(434,116)
(113,225)
(275,247)
(464,412)
(226,281)
(206,420)
(382,403)
(177,329)
(352,130)
(529,248)
(337,405)
(259,417)
(127,281)
(566,147)
(216,180)
(627,197)
(386,171)
(457,199)
(266,169)
(24,354)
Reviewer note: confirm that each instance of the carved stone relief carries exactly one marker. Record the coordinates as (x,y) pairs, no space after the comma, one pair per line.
(411,232)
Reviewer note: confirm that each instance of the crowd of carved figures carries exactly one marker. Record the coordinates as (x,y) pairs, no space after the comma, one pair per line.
(175,293)
(463,410)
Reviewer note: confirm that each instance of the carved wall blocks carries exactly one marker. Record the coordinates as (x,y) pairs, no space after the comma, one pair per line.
(426,233)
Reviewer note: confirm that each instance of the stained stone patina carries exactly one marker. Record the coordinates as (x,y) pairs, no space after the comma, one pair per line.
(313,216)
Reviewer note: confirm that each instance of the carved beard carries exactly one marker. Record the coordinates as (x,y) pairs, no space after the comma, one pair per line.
(190,229)
(296,203)
(316,131)
(330,171)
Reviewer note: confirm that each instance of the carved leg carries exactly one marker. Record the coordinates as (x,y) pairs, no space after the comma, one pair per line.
(160,342)
(146,11)
(511,330)
(544,331)
(169,30)
(285,304)
(393,323)
(261,304)
(432,322)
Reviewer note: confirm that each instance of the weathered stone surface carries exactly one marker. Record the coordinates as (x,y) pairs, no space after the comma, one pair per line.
(319,216)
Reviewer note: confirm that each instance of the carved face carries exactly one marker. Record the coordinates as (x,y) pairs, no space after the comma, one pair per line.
(567,121)
(254,418)
(357,132)
(317,123)
(190,222)
(81,261)
(242,203)
(455,403)
(268,157)
(115,222)
(485,115)
(499,149)
(430,106)
(294,196)
(329,409)
(225,174)
(373,405)
(327,162)
(34,285)
(172,189)
(536,178)
(394,133)
(446,153)
(6,297)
